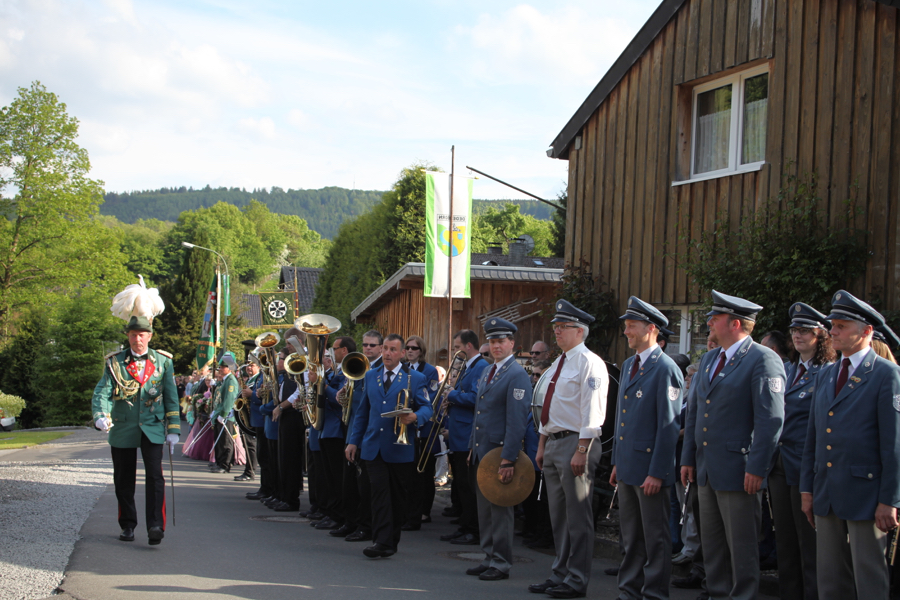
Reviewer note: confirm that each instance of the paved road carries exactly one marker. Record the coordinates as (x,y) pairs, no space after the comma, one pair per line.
(225,546)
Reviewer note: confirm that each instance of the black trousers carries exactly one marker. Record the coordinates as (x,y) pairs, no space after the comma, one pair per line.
(225,445)
(537,512)
(421,496)
(275,468)
(332,451)
(351,496)
(290,455)
(464,480)
(252,464)
(365,496)
(125,479)
(316,490)
(262,456)
(390,482)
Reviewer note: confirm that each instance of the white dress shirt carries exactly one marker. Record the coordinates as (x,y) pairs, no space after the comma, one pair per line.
(579,398)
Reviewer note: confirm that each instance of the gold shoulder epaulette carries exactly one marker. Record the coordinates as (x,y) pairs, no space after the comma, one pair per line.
(111,354)
(164,353)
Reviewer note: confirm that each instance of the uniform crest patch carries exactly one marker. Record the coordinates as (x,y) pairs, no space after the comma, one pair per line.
(673,393)
(518,394)
(434,385)
(776,384)
(897,402)
(230,388)
(594,383)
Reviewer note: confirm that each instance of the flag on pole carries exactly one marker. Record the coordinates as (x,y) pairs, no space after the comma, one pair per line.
(443,244)
(206,345)
(277,309)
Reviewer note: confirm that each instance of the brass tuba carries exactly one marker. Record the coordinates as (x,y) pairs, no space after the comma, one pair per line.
(354,366)
(454,372)
(317,328)
(267,359)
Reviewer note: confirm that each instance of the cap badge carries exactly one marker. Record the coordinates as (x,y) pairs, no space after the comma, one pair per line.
(798,309)
(837,296)
(493,321)
(559,306)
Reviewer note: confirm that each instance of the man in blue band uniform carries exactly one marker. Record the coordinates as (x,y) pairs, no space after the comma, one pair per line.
(734,420)
(225,394)
(501,413)
(390,465)
(137,403)
(643,457)
(569,451)
(422,492)
(258,422)
(461,413)
(796,538)
(850,474)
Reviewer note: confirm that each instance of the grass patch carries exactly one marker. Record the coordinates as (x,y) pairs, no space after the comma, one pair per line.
(10,440)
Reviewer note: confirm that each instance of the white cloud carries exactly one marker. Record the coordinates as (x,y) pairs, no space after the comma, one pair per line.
(123,9)
(263,127)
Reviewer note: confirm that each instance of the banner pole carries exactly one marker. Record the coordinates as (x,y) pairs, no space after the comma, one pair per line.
(450,262)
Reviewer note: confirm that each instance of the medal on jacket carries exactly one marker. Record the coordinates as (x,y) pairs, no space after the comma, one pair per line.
(141,378)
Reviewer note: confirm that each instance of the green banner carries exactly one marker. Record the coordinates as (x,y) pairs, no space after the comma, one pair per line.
(278,309)
(206,345)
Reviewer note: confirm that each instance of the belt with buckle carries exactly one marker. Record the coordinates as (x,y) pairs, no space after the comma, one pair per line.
(561,434)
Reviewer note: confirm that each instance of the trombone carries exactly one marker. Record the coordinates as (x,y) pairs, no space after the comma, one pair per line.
(442,407)
(354,366)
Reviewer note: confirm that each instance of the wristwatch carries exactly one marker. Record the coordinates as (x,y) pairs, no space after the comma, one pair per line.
(582,449)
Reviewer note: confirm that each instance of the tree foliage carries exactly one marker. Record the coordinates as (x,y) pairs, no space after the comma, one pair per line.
(18,363)
(558,247)
(49,239)
(589,293)
(784,253)
(498,225)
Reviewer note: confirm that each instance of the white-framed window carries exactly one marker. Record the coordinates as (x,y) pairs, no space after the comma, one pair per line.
(728,125)
(689,325)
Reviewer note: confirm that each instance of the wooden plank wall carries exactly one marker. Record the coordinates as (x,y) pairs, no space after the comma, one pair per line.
(410,313)
(834,97)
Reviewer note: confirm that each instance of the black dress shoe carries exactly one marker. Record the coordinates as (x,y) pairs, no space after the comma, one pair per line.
(476,571)
(254,496)
(452,536)
(493,574)
(691,582)
(218,470)
(468,539)
(327,524)
(612,571)
(156,535)
(451,512)
(454,521)
(244,477)
(272,503)
(342,531)
(410,527)
(359,535)
(426,518)
(379,551)
(316,516)
(540,588)
(564,591)
(285,507)
(127,535)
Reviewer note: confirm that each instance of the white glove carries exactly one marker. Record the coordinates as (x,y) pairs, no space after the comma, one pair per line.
(171,440)
(103,424)
(220,419)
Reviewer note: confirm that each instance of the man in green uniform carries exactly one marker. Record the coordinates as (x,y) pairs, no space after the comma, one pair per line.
(227,391)
(137,403)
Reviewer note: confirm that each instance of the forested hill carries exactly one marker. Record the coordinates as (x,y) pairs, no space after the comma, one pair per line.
(324,210)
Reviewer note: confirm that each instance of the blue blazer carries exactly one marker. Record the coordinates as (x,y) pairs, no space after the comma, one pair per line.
(374,434)
(797,400)
(851,460)
(256,418)
(648,420)
(334,427)
(359,389)
(266,410)
(734,422)
(462,406)
(501,411)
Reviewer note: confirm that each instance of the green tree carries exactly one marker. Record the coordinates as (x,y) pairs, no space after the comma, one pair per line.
(81,333)
(558,247)
(18,360)
(504,223)
(49,238)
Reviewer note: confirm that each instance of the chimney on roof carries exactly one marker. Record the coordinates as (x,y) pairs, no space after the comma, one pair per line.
(495,250)
(517,252)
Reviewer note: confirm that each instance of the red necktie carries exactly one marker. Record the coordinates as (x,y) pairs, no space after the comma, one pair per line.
(491,374)
(545,410)
(720,366)
(635,366)
(800,373)
(842,376)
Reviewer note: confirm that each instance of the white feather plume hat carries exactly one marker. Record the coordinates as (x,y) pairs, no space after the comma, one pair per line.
(138,305)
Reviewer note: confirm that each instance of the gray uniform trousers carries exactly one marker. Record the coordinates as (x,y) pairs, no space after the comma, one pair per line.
(730,524)
(848,548)
(571,514)
(496,525)
(644,522)
(795,539)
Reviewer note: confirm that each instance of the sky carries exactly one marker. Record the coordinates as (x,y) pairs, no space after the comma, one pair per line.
(300,94)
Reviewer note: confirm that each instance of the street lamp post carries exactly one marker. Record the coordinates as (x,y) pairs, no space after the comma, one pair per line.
(227,290)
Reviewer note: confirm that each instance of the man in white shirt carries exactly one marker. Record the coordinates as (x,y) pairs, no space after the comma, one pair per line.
(568,452)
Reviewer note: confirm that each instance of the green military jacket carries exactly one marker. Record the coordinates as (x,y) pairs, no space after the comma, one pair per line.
(226,393)
(151,408)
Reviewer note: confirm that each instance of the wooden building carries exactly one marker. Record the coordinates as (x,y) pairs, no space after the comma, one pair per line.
(710,105)
(522,294)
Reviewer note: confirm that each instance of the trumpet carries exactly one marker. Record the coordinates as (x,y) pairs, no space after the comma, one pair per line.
(441,407)
(400,428)
(354,366)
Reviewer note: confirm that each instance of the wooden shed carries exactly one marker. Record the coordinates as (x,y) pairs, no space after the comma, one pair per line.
(524,294)
(807,85)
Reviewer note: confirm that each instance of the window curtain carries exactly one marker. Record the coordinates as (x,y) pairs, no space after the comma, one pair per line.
(711,138)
